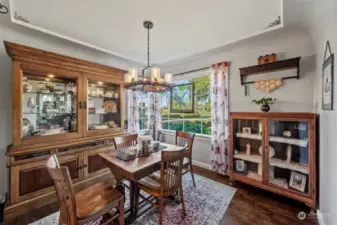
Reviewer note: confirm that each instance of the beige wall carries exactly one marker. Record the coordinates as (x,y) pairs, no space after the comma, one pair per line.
(293,96)
(325,29)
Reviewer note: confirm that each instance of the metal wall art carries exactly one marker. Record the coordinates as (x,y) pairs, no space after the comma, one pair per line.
(268,85)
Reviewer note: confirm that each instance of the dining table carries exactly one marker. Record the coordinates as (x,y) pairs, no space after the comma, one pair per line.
(133,170)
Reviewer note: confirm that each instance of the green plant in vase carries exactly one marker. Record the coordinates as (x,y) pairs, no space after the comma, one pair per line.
(264,102)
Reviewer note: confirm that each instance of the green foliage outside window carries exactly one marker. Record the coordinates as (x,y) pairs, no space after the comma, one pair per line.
(198,122)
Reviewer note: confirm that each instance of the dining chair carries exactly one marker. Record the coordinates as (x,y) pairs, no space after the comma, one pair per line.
(182,139)
(125,141)
(164,183)
(91,204)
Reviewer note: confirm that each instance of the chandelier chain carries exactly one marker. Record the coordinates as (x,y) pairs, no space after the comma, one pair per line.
(148,47)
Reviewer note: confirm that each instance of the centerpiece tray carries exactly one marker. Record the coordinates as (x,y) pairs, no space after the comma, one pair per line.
(123,154)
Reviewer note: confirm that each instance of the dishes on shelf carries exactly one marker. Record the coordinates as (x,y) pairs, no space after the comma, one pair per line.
(26,86)
(110,106)
(98,127)
(52,131)
(271,151)
(27,127)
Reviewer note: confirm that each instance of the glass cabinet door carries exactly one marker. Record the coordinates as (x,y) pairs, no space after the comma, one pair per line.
(103,107)
(48,106)
(288,155)
(248,148)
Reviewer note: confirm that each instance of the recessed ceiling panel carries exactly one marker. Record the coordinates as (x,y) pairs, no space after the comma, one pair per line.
(181,27)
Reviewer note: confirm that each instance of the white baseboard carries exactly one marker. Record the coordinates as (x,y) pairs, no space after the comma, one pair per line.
(320,217)
(202,165)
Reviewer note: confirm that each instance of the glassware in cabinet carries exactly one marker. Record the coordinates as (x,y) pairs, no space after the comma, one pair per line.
(103,106)
(48,105)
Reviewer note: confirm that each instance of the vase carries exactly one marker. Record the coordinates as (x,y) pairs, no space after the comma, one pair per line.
(265,108)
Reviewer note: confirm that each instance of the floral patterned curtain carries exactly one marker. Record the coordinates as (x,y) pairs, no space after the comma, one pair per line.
(133,112)
(154,115)
(219,116)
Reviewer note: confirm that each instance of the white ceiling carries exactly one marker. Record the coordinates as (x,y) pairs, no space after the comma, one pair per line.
(181,27)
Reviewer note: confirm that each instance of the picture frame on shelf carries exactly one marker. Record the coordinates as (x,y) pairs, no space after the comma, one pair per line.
(241,166)
(297,181)
(246,130)
(328,79)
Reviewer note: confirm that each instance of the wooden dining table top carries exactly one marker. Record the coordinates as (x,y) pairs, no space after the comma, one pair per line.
(131,167)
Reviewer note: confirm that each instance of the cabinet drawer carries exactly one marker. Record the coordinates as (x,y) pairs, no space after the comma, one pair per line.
(32,179)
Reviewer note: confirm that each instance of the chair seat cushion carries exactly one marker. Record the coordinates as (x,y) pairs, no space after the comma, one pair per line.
(96,198)
(152,182)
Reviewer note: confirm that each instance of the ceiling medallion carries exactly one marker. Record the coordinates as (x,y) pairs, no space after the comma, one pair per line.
(150,80)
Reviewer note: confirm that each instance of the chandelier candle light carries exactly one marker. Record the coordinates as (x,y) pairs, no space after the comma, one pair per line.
(150,79)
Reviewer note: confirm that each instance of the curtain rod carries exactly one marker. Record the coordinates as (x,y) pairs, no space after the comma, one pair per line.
(191,71)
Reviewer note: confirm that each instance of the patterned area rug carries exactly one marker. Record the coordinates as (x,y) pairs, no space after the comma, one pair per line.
(206,204)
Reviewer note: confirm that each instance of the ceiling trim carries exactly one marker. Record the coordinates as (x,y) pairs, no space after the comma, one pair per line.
(14,19)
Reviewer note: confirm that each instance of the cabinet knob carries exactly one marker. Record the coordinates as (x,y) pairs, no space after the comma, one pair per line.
(80,104)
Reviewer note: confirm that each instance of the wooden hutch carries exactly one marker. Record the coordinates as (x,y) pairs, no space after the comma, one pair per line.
(64,106)
(275,152)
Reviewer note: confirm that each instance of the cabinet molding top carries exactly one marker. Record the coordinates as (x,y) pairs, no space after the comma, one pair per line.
(28,54)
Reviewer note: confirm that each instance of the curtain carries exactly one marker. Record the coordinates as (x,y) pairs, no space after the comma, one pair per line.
(154,115)
(219,116)
(133,111)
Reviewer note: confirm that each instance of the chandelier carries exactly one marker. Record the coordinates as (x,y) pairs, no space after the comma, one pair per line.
(150,80)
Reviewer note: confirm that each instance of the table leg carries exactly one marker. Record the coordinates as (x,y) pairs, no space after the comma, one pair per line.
(132,197)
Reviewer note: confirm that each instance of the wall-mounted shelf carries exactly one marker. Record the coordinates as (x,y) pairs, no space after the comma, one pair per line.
(288,64)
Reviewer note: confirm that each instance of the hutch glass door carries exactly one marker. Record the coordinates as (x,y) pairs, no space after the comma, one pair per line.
(247,148)
(103,107)
(48,107)
(288,155)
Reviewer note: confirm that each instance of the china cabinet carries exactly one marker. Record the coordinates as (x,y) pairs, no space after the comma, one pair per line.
(275,152)
(64,106)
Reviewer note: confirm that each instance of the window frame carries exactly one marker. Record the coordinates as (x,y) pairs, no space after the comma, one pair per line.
(187,77)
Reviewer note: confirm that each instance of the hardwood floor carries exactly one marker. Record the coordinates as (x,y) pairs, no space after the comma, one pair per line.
(250,206)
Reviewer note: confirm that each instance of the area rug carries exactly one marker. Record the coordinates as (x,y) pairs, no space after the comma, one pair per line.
(205,204)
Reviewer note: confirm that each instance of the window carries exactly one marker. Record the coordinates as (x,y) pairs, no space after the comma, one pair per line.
(197,120)
(143,110)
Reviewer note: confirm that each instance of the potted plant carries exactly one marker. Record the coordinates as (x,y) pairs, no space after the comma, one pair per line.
(264,102)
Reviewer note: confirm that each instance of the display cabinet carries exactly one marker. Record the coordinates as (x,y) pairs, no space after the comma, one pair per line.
(276,152)
(63,106)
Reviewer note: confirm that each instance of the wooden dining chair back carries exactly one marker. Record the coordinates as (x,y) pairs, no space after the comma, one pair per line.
(182,139)
(93,202)
(64,190)
(166,182)
(125,141)
(171,171)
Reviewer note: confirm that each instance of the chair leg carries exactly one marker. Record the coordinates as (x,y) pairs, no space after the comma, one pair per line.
(182,198)
(121,212)
(191,170)
(161,211)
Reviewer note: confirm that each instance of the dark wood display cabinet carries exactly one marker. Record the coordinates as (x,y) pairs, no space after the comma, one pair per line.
(64,106)
(275,152)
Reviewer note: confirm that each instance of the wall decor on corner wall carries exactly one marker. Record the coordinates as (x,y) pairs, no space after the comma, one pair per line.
(328,79)
(268,85)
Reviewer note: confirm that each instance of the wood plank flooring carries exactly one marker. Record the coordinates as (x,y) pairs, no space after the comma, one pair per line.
(250,206)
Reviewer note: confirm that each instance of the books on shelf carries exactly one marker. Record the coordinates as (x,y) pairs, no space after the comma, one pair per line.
(292,141)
